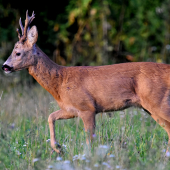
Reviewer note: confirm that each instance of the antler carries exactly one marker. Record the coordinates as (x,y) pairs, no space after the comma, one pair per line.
(26,28)
(21,26)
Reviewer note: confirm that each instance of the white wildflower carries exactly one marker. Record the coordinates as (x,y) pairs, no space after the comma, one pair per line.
(87,168)
(167,154)
(64,146)
(83,157)
(96,165)
(50,166)
(117,166)
(111,156)
(67,162)
(18,153)
(48,140)
(59,158)
(75,157)
(102,150)
(104,146)
(94,135)
(35,160)
(106,164)
(163,150)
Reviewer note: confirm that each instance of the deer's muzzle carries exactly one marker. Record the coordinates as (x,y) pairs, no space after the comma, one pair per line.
(7,68)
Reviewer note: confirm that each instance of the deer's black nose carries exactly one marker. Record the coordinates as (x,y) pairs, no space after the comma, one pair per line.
(6,68)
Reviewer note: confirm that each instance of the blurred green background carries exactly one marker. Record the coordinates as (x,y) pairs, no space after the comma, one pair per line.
(92,32)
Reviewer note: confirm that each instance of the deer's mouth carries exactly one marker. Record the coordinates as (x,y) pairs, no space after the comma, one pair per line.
(7,69)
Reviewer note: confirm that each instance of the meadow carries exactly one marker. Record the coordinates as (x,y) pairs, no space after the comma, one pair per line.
(124,140)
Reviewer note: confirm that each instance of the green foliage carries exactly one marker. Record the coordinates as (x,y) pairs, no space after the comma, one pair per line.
(8,18)
(115,31)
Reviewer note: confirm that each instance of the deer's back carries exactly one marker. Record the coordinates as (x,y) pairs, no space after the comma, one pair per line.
(112,87)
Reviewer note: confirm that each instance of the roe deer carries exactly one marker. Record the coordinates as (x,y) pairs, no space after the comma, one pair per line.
(84,91)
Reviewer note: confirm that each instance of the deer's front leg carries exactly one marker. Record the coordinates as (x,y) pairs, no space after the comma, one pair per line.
(60,114)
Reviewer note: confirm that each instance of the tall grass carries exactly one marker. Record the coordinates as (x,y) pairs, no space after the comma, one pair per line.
(127,139)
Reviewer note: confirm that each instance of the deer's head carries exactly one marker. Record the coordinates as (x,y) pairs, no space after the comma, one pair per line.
(23,54)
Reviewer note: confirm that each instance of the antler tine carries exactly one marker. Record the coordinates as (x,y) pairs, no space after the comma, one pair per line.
(19,35)
(32,17)
(21,26)
(28,21)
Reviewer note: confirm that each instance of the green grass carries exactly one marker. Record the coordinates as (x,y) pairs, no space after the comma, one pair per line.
(128,139)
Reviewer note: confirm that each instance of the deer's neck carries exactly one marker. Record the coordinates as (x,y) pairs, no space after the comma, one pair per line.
(47,74)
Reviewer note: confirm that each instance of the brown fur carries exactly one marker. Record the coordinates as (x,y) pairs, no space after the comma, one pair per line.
(85,91)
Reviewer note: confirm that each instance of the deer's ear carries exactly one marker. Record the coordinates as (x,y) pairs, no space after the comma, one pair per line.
(32,35)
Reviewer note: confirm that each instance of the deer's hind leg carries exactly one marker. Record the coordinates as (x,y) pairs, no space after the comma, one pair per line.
(88,118)
(159,109)
(164,123)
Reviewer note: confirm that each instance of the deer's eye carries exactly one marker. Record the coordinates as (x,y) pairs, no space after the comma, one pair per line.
(18,54)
